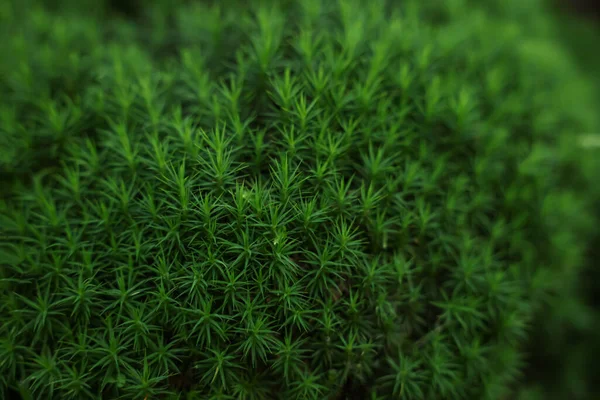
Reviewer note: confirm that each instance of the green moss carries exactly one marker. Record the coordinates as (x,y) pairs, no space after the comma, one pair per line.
(289,199)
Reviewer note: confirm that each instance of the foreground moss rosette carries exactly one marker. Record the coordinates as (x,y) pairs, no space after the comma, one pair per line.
(284,200)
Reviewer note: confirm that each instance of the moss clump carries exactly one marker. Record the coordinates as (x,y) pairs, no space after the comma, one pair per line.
(283,199)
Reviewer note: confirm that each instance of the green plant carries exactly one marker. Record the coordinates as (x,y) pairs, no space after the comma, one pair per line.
(564,343)
(294,199)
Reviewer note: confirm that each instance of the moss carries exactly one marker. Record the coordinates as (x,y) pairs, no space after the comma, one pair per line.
(286,199)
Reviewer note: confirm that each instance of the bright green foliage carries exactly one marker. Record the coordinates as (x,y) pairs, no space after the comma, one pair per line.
(293,199)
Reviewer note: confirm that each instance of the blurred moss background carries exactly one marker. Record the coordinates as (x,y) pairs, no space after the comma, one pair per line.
(565,344)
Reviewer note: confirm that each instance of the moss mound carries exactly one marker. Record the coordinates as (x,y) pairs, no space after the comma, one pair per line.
(290,199)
